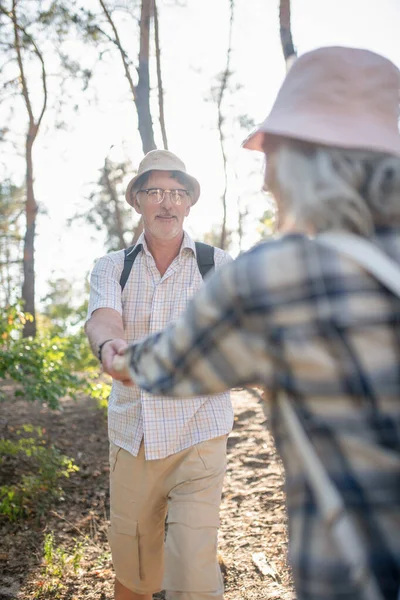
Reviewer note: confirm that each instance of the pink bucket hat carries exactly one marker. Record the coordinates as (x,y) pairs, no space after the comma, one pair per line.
(162,160)
(334,96)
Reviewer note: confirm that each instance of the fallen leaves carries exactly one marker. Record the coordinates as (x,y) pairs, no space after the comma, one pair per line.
(262,564)
(252,535)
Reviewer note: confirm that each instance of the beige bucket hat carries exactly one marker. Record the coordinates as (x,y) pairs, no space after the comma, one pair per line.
(162,160)
(335,96)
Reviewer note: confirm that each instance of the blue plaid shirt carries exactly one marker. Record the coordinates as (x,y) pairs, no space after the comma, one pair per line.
(294,315)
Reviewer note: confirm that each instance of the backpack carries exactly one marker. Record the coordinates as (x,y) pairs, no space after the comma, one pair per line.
(204,255)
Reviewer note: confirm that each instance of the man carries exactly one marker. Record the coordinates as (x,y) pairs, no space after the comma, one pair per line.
(315,320)
(165,456)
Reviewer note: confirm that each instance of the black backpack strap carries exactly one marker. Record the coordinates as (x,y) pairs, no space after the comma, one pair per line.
(129,258)
(204,255)
(205,258)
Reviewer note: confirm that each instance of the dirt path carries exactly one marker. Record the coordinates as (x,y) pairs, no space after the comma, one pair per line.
(253,513)
(78,565)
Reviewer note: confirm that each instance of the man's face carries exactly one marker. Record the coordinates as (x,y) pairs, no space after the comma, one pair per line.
(162,221)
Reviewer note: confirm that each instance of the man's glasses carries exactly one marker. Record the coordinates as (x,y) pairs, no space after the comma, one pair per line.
(156,195)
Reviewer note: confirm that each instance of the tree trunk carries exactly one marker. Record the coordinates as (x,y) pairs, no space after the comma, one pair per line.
(28,287)
(288,49)
(142,99)
(141,92)
(159,78)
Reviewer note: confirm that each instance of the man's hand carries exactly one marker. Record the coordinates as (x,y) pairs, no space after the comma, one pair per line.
(109,351)
(105,328)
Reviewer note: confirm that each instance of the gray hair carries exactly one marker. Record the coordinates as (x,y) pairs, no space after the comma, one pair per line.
(325,188)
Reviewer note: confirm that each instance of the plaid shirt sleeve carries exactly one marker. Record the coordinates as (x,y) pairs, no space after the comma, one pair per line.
(209,349)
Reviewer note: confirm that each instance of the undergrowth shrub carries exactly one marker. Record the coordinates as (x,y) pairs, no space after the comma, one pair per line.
(57,562)
(34,469)
(50,366)
(44,369)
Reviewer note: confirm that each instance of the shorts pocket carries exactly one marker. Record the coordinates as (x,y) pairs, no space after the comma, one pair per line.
(212,453)
(124,543)
(191,563)
(195,515)
(114,451)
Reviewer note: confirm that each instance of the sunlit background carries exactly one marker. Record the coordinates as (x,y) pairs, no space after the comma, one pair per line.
(102,121)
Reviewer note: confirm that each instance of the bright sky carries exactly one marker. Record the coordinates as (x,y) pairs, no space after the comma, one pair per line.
(194,41)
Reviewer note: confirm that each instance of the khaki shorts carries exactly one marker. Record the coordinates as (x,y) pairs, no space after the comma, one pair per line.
(187,488)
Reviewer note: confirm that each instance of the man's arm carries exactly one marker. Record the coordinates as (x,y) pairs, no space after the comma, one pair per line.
(104,326)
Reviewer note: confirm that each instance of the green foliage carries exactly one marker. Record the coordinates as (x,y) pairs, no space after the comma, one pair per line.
(60,314)
(100,391)
(57,559)
(11,237)
(49,366)
(267,223)
(57,562)
(39,486)
(40,367)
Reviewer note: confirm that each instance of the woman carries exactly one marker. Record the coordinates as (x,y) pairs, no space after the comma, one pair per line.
(307,320)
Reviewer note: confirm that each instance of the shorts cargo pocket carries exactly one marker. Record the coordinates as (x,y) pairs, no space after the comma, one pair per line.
(191,563)
(113,455)
(124,543)
(194,514)
(212,453)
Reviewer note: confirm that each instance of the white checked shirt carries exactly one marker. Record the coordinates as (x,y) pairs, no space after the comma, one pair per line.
(147,304)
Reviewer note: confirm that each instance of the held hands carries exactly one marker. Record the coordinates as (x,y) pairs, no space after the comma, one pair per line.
(120,364)
(114,362)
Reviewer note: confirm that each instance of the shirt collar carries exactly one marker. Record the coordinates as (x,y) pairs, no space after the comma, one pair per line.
(142,241)
(187,243)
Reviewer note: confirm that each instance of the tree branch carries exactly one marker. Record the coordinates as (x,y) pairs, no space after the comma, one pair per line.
(25,92)
(20,64)
(122,52)
(224,83)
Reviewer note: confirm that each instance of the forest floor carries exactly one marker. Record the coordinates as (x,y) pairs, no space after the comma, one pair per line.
(63,554)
